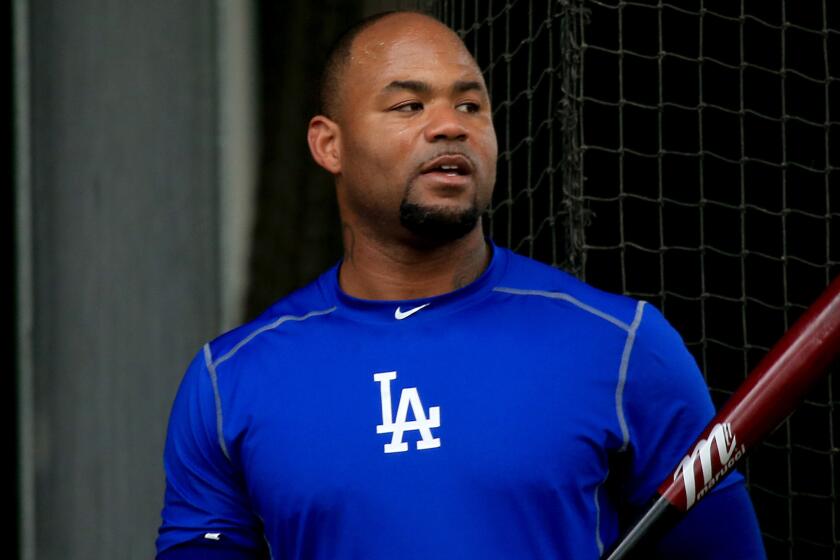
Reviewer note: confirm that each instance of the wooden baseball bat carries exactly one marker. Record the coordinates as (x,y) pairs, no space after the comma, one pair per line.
(770,394)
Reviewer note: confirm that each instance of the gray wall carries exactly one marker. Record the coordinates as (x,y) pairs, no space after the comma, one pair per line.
(136,155)
(121,194)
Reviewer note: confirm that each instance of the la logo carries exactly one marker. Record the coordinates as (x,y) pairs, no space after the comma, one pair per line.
(409,397)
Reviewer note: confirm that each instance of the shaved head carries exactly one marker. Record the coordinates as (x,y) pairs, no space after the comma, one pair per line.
(340,54)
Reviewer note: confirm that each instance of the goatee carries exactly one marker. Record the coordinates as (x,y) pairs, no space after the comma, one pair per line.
(438,224)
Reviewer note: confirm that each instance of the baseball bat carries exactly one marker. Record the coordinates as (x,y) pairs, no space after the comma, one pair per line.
(769,395)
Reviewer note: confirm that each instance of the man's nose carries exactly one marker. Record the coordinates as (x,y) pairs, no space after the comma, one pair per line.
(446,123)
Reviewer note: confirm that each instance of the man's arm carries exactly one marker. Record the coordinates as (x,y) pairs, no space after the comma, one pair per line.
(198,550)
(206,506)
(666,406)
(723,526)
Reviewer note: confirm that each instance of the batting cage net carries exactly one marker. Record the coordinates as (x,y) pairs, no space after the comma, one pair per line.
(685,153)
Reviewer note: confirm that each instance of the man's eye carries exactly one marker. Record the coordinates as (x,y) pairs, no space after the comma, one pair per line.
(469,107)
(409,107)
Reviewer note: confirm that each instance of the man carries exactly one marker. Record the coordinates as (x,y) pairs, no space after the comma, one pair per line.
(432,395)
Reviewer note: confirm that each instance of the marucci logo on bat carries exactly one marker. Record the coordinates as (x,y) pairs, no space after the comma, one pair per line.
(728,454)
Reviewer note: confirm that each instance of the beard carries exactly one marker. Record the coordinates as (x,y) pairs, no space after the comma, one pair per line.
(437,224)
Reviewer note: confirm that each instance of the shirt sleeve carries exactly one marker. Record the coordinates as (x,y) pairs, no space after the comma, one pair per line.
(205,500)
(722,526)
(666,405)
(202,550)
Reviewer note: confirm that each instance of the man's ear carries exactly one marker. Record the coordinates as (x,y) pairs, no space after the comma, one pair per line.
(324,139)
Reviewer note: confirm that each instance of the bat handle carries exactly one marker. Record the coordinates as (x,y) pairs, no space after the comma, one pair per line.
(654,519)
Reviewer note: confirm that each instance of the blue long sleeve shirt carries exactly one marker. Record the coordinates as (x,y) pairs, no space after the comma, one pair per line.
(516,417)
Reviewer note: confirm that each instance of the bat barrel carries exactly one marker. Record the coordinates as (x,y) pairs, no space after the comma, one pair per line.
(768,396)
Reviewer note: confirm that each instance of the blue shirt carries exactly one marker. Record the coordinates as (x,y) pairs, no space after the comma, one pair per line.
(516,417)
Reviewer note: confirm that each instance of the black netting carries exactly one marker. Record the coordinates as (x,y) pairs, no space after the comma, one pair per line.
(685,153)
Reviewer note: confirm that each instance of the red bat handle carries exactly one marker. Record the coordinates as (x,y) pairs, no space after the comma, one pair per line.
(762,402)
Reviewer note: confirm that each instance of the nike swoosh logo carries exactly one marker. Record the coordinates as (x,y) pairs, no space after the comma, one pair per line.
(400,315)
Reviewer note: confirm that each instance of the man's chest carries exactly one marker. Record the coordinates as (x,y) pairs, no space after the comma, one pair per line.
(394,422)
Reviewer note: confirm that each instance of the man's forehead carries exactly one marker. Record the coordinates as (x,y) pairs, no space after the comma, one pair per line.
(406,42)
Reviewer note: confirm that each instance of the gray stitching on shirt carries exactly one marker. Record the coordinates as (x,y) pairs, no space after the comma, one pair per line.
(211,365)
(565,297)
(622,375)
(622,372)
(265,538)
(269,327)
(211,369)
(598,542)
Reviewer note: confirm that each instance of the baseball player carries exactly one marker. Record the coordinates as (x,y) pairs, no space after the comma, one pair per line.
(433,395)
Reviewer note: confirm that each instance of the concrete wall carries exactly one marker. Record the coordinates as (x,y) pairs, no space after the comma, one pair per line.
(118,121)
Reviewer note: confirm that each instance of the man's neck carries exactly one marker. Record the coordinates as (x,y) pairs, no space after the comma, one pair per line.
(375,270)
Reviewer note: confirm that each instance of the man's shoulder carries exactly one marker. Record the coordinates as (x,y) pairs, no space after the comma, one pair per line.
(528,277)
(290,312)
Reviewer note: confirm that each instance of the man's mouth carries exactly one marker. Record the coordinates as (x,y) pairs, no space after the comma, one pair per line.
(451,165)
